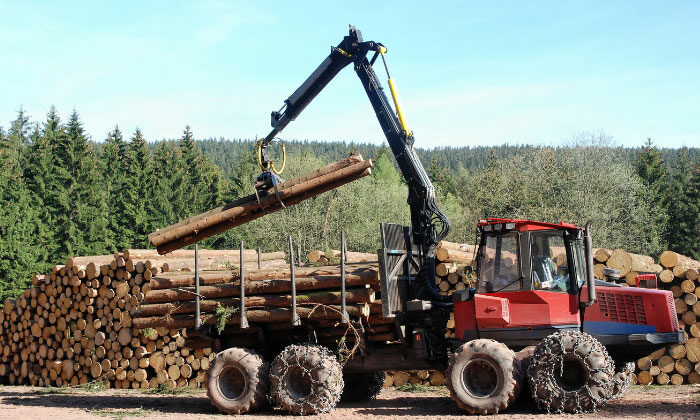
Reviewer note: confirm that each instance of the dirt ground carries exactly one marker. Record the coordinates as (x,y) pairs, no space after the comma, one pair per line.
(18,402)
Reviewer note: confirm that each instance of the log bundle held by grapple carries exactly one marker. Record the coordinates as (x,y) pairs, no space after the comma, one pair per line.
(243,210)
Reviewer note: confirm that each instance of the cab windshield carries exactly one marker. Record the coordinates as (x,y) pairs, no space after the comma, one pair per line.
(499,268)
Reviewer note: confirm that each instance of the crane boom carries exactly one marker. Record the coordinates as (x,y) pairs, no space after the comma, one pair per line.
(429,223)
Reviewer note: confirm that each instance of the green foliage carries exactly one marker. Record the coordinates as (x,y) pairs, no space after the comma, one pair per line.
(684,207)
(63,195)
(573,184)
(223,315)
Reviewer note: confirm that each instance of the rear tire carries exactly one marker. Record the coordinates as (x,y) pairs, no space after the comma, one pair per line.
(362,386)
(237,381)
(306,379)
(483,377)
(570,372)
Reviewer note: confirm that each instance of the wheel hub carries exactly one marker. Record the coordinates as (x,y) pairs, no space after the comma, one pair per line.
(480,377)
(298,382)
(572,375)
(232,382)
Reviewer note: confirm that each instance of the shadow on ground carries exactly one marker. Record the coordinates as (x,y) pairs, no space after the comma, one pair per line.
(436,404)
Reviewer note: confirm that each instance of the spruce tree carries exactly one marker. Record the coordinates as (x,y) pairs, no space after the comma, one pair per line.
(18,138)
(82,225)
(191,185)
(113,168)
(137,190)
(21,253)
(167,199)
(683,209)
(41,177)
(652,169)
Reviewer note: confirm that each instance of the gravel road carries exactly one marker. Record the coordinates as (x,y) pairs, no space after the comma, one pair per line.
(18,402)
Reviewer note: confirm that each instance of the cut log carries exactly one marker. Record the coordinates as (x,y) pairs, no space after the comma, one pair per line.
(670,259)
(644,378)
(666,276)
(315,256)
(217,263)
(666,364)
(451,255)
(290,192)
(171,280)
(358,295)
(254,316)
(257,287)
(601,255)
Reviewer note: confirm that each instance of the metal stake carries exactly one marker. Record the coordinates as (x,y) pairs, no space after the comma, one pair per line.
(295,316)
(343,308)
(198,321)
(259,259)
(244,320)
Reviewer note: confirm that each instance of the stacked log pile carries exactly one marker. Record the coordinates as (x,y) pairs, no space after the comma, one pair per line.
(243,210)
(413,377)
(453,272)
(680,363)
(75,324)
(628,264)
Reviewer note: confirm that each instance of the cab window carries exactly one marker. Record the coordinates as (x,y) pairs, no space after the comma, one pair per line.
(550,267)
(499,264)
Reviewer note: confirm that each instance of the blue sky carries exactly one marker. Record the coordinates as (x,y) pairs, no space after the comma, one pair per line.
(469,73)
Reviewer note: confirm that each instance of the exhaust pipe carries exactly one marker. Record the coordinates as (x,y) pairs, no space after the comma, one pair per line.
(590,280)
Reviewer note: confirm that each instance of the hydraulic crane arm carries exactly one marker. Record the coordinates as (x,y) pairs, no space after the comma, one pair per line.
(429,223)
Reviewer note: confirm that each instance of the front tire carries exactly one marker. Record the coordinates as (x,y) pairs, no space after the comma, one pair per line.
(483,377)
(570,372)
(237,381)
(306,379)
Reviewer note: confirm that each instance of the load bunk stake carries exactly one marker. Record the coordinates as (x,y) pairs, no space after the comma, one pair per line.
(295,316)
(244,320)
(343,310)
(198,321)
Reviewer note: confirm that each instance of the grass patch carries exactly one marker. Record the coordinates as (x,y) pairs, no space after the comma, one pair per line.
(51,390)
(651,387)
(163,390)
(118,414)
(93,386)
(421,388)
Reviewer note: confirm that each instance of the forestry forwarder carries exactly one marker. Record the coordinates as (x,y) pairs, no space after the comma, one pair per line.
(526,323)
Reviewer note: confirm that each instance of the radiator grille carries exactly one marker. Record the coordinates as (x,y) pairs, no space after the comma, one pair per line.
(672,310)
(623,308)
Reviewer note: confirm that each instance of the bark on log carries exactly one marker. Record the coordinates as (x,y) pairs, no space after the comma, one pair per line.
(297,187)
(215,264)
(670,259)
(316,255)
(271,208)
(359,295)
(255,316)
(256,288)
(451,255)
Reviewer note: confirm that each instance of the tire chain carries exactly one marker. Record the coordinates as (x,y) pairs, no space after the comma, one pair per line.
(545,356)
(323,404)
(622,380)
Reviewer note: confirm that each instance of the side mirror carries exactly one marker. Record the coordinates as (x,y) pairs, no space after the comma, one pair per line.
(588,249)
